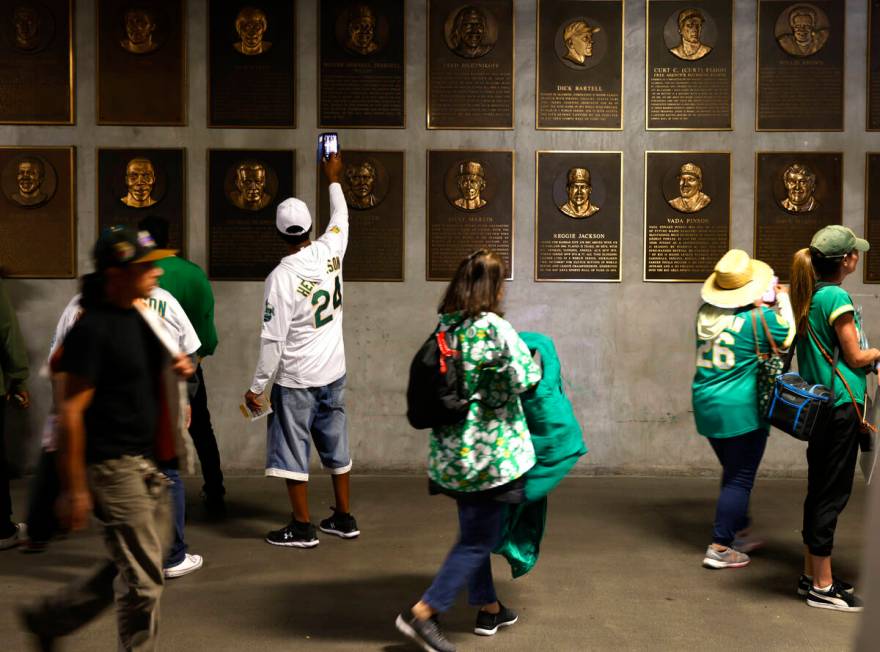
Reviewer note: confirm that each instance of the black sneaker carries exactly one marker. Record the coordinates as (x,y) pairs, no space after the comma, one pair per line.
(805,582)
(426,633)
(215,506)
(834,598)
(34,622)
(341,524)
(294,535)
(488,624)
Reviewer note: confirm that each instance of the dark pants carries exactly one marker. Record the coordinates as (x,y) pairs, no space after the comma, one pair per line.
(202,434)
(480,524)
(831,461)
(5,498)
(740,457)
(42,524)
(177,553)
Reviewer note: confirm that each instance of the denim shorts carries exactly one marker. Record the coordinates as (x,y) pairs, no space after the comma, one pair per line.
(303,415)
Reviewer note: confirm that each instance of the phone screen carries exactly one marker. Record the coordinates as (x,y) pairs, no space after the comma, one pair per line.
(327,144)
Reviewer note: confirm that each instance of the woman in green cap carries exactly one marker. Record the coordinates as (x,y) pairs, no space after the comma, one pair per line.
(829,324)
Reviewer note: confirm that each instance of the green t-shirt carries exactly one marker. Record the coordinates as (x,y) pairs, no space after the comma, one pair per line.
(188,284)
(830,302)
(725,387)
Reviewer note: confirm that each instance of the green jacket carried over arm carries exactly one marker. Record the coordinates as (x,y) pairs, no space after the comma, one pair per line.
(13,355)
(558,441)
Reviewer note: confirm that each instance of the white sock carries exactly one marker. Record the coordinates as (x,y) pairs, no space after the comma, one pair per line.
(824,589)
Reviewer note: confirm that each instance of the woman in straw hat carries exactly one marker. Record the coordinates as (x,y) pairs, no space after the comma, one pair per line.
(828,322)
(725,391)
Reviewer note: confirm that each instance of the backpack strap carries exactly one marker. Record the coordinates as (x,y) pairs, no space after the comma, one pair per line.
(773,348)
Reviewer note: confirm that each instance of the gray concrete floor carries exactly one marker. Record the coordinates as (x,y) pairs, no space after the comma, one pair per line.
(619,570)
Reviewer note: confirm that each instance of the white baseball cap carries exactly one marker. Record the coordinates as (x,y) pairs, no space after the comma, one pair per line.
(292,217)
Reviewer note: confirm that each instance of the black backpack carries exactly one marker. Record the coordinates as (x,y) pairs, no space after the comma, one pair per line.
(433,396)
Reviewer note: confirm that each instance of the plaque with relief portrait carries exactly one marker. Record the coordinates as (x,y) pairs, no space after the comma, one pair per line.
(361,64)
(872,217)
(251,63)
(578,216)
(134,184)
(690,64)
(801,49)
(580,64)
(873,90)
(796,194)
(470,64)
(37,223)
(373,183)
(36,62)
(244,189)
(470,207)
(141,62)
(687,214)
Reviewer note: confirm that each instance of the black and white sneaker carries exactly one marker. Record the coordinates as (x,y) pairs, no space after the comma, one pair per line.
(834,598)
(488,624)
(805,582)
(425,633)
(294,535)
(341,524)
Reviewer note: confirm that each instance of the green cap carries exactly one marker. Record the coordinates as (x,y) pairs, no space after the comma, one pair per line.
(836,241)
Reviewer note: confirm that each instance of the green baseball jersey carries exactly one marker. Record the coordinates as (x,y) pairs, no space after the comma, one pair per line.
(725,389)
(830,302)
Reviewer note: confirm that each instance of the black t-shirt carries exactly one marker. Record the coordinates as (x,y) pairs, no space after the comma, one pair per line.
(117,353)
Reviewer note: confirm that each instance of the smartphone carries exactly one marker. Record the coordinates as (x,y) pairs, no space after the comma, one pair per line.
(770,295)
(328,143)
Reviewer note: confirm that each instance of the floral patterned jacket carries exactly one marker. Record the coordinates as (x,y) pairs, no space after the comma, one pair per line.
(492,446)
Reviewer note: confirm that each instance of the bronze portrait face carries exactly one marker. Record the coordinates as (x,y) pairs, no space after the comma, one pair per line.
(691,197)
(578,39)
(26,21)
(251,25)
(251,192)
(800,184)
(579,189)
(361,182)
(804,31)
(690,29)
(29,181)
(361,30)
(140,179)
(140,24)
(468,35)
(470,182)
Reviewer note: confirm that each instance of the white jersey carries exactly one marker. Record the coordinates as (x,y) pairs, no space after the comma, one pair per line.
(302,306)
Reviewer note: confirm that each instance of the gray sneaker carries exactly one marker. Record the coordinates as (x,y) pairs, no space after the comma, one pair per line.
(729,558)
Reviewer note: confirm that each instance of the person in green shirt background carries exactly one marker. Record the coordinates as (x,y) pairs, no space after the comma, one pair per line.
(190,286)
(725,390)
(826,320)
(13,374)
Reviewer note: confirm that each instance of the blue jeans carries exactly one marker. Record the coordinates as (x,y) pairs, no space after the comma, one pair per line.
(177,553)
(740,457)
(480,524)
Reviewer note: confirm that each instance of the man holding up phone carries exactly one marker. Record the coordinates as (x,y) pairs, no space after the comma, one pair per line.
(302,349)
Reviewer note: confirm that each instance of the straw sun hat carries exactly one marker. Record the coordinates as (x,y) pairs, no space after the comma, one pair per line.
(738,280)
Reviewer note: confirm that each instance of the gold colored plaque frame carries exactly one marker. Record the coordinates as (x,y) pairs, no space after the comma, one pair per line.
(622,77)
(645,212)
(732,77)
(72,224)
(512,153)
(512,126)
(71,87)
(619,278)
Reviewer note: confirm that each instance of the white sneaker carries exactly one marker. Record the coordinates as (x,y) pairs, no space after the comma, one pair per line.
(189,564)
(15,538)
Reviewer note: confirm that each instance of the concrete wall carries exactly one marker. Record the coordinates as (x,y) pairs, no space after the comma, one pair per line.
(627,348)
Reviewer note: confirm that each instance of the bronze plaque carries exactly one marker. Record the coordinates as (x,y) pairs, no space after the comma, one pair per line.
(796,194)
(690,64)
(578,216)
(36,62)
(37,223)
(361,65)
(872,217)
(470,206)
(800,65)
(580,64)
(138,183)
(244,189)
(373,182)
(251,71)
(687,214)
(470,64)
(141,77)
(873,118)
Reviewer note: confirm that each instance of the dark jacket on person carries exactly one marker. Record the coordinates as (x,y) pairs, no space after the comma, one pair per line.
(13,354)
